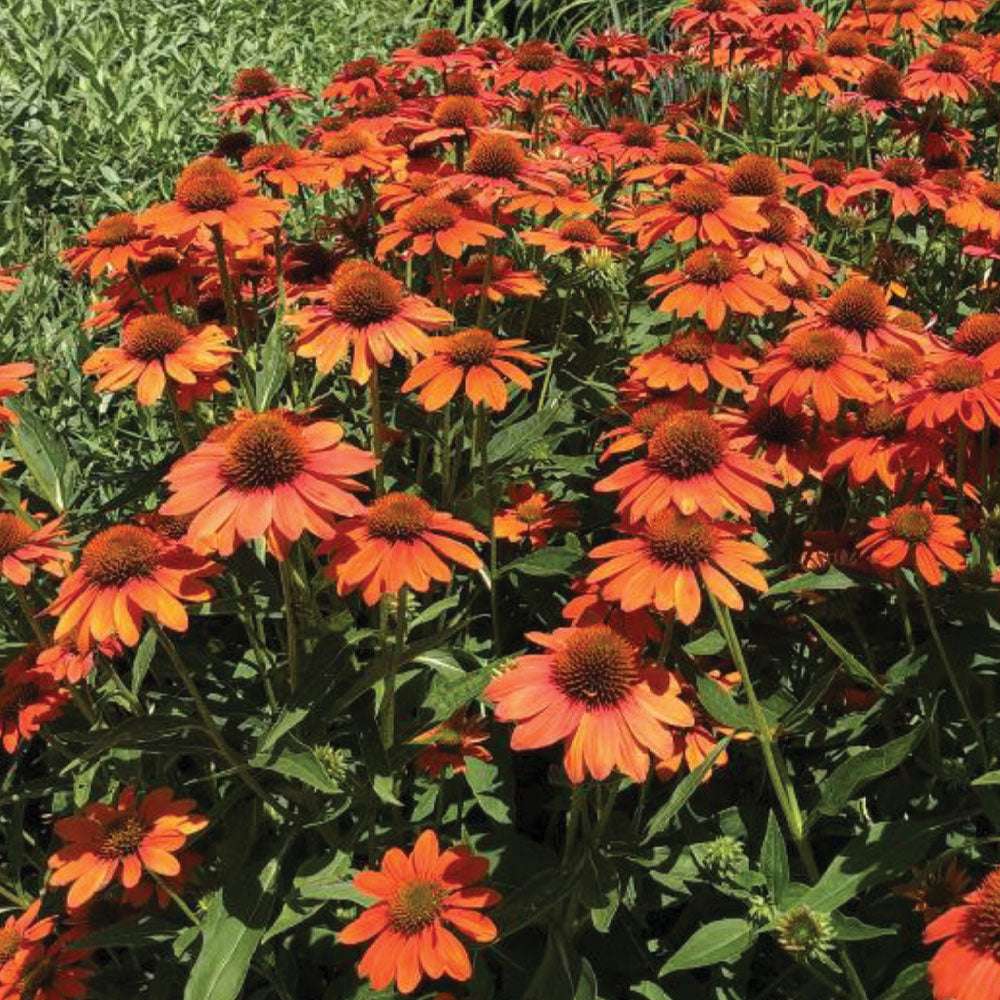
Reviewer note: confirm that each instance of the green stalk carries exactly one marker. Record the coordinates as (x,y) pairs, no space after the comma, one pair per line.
(387,710)
(482,438)
(291,624)
(375,402)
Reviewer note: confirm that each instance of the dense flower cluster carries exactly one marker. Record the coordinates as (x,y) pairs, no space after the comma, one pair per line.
(360,329)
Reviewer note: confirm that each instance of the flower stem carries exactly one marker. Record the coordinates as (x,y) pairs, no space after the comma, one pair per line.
(482,439)
(387,710)
(556,345)
(953,677)
(291,624)
(375,403)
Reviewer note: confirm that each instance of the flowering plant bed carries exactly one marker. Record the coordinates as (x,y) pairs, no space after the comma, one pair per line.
(549,546)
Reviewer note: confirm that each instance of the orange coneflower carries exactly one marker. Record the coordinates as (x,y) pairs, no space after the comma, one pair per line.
(49,971)
(755,175)
(12,383)
(29,697)
(627,142)
(497,168)
(701,209)
(780,249)
(124,840)
(356,80)
(366,312)
(693,359)
(532,514)
(913,534)
(354,153)
(437,49)
(811,74)
(156,349)
(786,442)
(574,235)
(849,54)
(826,174)
(126,572)
(879,444)
(935,887)
(967,965)
(587,607)
(642,422)
(675,160)
(254,91)
(476,360)
(25,545)
(968,11)
(496,277)
(906,180)
(537,67)
(419,896)
(450,743)
(977,209)
(285,167)
(210,195)
(399,541)
(115,242)
(661,564)
(590,691)
(273,475)
(715,17)
(65,662)
(818,365)
(19,936)
(430,224)
(880,90)
(945,72)
(902,367)
(691,464)
(712,281)
(957,388)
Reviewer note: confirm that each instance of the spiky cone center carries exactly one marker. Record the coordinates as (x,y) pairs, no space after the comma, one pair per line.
(115,231)
(14,532)
(580,231)
(682,152)
(647,418)
(710,6)
(782,225)
(802,288)
(122,836)
(308,262)
(957,375)
(978,332)
(948,59)
(909,320)
(802,931)
(462,85)
(348,142)
(638,135)
(161,262)
(882,83)
(900,362)
(274,154)
(678,540)
(819,349)
(989,195)
(470,347)
(773,426)
(460,111)
(415,905)
(255,82)
(399,517)
(982,923)
(813,64)
(499,157)
(428,215)
(438,42)
(363,294)
(846,43)
(207,185)
(360,69)
(386,103)
(903,171)
(233,145)
(782,6)
(531,511)
(119,554)
(697,197)
(10,943)
(686,445)
(535,56)
(883,421)
(153,337)
(692,348)
(596,666)
(712,266)
(829,170)
(262,452)
(858,305)
(911,524)
(753,174)
(171,526)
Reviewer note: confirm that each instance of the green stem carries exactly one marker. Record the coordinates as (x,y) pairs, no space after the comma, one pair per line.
(556,345)
(375,403)
(953,677)
(291,623)
(482,439)
(387,710)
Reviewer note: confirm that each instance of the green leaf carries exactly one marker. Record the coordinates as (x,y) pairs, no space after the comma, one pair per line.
(650,991)
(300,765)
(316,882)
(832,579)
(273,367)
(851,929)
(685,788)
(708,644)
(721,941)
(45,455)
(446,698)
(989,778)
(514,440)
(142,659)
(552,560)
(851,663)
(863,767)
(910,984)
(774,864)
(720,704)
(237,918)
(483,778)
